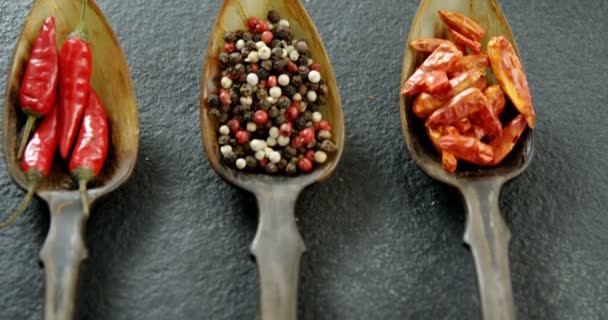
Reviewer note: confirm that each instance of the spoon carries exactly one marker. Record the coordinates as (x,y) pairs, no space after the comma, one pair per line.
(277,245)
(486,232)
(64,249)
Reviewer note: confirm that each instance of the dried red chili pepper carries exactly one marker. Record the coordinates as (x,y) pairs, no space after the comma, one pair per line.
(504,144)
(448,160)
(467,148)
(39,85)
(440,60)
(510,73)
(465,63)
(459,108)
(76,67)
(429,45)
(91,147)
(37,160)
(496,98)
(462,40)
(463,24)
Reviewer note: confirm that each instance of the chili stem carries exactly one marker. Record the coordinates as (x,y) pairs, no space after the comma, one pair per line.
(81,29)
(22,207)
(29,125)
(82,185)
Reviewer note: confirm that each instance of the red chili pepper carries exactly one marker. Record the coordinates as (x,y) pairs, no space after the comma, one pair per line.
(37,160)
(91,147)
(462,40)
(39,86)
(76,64)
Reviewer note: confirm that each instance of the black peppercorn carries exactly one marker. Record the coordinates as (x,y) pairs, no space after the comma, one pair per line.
(235,58)
(275,43)
(239,69)
(229,37)
(290,152)
(322,99)
(297,81)
(291,168)
(248,116)
(303,71)
(224,58)
(282,164)
(283,33)
(303,90)
(215,112)
(223,140)
(279,65)
(302,60)
(274,112)
(280,119)
(313,86)
(263,74)
(267,65)
(308,115)
(261,94)
(246,36)
(223,117)
(252,163)
(238,151)
(226,108)
(246,90)
(277,53)
(239,34)
(323,88)
(289,91)
(284,102)
(272,168)
(250,45)
(328,146)
(302,47)
(314,107)
(214,101)
(257,37)
(274,16)
(234,97)
(300,123)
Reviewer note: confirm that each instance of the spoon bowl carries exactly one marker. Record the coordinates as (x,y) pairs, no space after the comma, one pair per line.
(277,246)
(64,248)
(486,233)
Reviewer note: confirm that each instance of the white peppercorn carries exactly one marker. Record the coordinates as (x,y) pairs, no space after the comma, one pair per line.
(324,135)
(271,142)
(226,150)
(226,82)
(283,80)
(283,141)
(314,76)
(317,116)
(275,92)
(297,97)
(253,57)
(274,132)
(274,157)
(312,96)
(320,156)
(224,130)
(251,126)
(264,53)
(260,155)
(240,44)
(252,79)
(284,22)
(241,163)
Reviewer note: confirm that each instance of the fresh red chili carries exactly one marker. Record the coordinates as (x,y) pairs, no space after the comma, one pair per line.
(91,147)
(39,86)
(76,64)
(37,160)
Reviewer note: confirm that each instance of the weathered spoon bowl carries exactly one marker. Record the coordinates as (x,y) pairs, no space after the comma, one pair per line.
(64,248)
(277,246)
(486,233)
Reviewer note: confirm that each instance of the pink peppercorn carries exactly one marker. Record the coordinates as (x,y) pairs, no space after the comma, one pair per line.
(229,47)
(263,163)
(225,97)
(297,142)
(315,67)
(272,81)
(234,125)
(305,165)
(242,137)
(267,37)
(292,113)
(286,129)
(310,155)
(252,23)
(292,67)
(261,27)
(308,135)
(324,125)
(260,117)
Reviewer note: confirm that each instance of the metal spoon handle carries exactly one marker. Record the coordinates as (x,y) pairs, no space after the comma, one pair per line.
(488,236)
(62,254)
(277,248)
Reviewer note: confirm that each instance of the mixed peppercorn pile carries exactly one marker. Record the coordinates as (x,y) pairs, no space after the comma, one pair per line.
(268,106)
(56,90)
(461,110)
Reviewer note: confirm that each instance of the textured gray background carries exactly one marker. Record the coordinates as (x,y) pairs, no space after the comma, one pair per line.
(384,240)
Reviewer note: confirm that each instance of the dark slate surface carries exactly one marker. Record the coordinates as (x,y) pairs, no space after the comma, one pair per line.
(384,240)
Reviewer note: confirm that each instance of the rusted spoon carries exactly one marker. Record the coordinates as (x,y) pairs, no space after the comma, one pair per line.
(277,246)
(64,248)
(486,232)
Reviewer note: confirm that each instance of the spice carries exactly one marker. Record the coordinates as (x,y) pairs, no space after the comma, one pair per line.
(461,111)
(39,85)
(75,62)
(37,160)
(270,89)
(91,147)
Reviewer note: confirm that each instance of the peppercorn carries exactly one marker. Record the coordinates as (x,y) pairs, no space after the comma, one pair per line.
(271,168)
(260,117)
(303,60)
(224,58)
(235,58)
(308,115)
(296,80)
(246,36)
(246,90)
(256,37)
(273,16)
(279,65)
(277,52)
(305,165)
(273,112)
(223,118)
(303,90)
(239,151)
(283,102)
(266,65)
(215,112)
(267,37)
(223,140)
(291,168)
(303,71)
(230,158)
(313,87)
(289,91)
(263,74)
(225,108)
(322,99)
(283,33)
(242,137)
(300,123)
(271,82)
(250,162)
(328,146)
(280,119)
(302,47)
(324,135)
(214,101)
(314,107)
(229,47)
